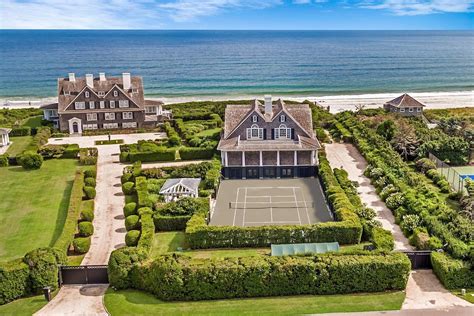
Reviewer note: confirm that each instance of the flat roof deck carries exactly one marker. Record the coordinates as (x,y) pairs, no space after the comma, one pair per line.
(270,202)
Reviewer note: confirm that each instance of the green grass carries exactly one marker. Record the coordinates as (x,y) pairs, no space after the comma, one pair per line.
(24,306)
(468,297)
(139,303)
(33,206)
(34,121)
(208,132)
(18,145)
(169,242)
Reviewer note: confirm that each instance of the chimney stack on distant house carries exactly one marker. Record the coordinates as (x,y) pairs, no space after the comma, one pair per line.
(102,76)
(90,80)
(72,77)
(126,81)
(268,104)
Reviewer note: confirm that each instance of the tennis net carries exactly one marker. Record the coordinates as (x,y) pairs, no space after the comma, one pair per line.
(268,205)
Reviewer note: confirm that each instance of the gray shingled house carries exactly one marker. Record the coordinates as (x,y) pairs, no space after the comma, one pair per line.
(405,105)
(102,103)
(268,141)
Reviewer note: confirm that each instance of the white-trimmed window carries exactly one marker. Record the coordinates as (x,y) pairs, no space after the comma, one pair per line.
(129,125)
(127,115)
(101,93)
(110,125)
(254,132)
(150,109)
(282,118)
(92,116)
(115,93)
(123,104)
(102,104)
(410,110)
(282,132)
(67,93)
(418,109)
(109,116)
(254,119)
(91,105)
(402,109)
(112,104)
(79,105)
(89,126)
(87,94)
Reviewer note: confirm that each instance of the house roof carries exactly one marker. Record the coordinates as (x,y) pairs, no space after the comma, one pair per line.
(51,106)
(76,86)
(153,102)
(190,184)
(405,100)
(236,113)
(234,144)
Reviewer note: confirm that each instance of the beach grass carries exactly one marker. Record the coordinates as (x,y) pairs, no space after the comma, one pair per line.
(34,207)
(135,302)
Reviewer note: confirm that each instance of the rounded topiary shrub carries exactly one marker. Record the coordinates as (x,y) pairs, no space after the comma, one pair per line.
(132,222)
(128,188)
(81,244)
(87,215)
(90,182)
(126,177)
(132,237)
(90,173)
(31,160)
(90,192)
(86,229)
(130,209)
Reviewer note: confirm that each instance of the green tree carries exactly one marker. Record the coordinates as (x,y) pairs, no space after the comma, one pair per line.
(386,129)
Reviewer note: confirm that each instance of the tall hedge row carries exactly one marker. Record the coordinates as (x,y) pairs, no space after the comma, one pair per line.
(161,155)
(453,273)
(175,277)
(190,153)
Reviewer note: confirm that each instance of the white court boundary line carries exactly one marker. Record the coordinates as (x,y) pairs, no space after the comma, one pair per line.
(297,208)
(245,208)
(235,208)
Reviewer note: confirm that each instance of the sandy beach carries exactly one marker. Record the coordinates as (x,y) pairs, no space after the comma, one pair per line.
(337,103)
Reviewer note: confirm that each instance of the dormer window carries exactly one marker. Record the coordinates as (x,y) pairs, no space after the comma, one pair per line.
(115,93)
(254,132)
(87,94)
(254,119)
(282,118)
(282,132)
(101,93)
(67,93)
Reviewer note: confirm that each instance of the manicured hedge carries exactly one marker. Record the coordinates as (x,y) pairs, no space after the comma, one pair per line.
(20,131)
(30,160)
(132,237)
(161,155)
(176,277)
(142,192)
(147,229)
(170,223)
(130,209)
(87,210)
(89,192)
(191,153)
(132,222)
(382,239)
(14,280)
(81,244)
(453,273)
(85,229)
(4,160)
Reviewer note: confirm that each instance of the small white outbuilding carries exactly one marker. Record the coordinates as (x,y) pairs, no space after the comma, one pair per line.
(4,138)
(175,189)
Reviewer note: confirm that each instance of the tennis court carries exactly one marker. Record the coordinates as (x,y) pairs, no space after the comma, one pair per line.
(465,171)
(270,202)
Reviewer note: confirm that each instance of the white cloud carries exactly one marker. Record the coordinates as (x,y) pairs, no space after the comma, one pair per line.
(184,10)
(420,7)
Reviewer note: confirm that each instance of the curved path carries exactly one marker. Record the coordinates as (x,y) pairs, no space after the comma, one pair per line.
(424,291)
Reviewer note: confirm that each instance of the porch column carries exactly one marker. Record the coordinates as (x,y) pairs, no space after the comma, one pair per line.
(295,158)
(261,160)
(243,159)
(313,157)
(278,157)
(226,159)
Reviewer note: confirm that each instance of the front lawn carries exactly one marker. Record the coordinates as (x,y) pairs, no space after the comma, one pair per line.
(24,306)
(134,302)
(33,206)
(18,145)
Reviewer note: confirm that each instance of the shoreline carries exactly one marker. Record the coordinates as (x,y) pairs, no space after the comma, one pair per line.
(337,103)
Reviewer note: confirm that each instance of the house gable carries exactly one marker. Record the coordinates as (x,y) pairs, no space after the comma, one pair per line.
(80,97)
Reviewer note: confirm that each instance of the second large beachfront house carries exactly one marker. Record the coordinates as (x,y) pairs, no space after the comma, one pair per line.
(102,103)
(268,141)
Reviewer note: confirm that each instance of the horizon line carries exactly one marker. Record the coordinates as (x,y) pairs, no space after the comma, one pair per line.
(246,30)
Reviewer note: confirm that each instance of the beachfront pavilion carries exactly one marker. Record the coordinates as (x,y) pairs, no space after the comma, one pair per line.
(4,138)
(175,189)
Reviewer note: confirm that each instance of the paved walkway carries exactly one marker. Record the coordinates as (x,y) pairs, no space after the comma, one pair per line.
(424,291)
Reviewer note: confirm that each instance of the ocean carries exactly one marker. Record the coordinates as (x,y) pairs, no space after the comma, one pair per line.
(241,63)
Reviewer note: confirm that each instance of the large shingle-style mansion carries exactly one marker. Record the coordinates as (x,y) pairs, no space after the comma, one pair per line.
(268,141)
(102,103)
(405,105)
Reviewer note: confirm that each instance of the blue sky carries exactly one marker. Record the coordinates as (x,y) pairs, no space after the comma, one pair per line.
(237,14)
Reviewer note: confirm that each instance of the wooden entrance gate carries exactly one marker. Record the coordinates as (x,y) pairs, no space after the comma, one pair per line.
(93,274)
(419,259)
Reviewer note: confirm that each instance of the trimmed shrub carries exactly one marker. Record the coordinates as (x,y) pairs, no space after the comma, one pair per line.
(121,262)
(4,160)
(148,229)
(409,223)
(130,209)
(382,239)
(425,164)
(166,154)
(87,211)
(421,239)
(131,238)
(453,273)
(177,277)
(14,280)
(71,151)
(81,245)
(30,160)
(126,177)
(132,222)
(90,192)
(128,188)
(85,229)
(90,182)
(90,173)
(142,192)
(191,153)
(20,131)
(43,264)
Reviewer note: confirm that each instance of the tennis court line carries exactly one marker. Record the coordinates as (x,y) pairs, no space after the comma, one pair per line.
(297,208)
(271,210)
(235,208)
(245,207)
